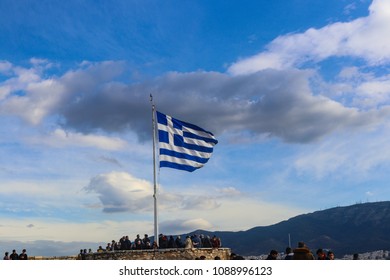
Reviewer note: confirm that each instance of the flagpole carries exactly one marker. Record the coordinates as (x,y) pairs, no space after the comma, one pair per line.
(154,172)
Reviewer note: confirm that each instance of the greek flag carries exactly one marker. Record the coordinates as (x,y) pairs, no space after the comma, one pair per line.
(183,145)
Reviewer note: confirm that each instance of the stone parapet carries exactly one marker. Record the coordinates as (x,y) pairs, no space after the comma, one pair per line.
(162,254)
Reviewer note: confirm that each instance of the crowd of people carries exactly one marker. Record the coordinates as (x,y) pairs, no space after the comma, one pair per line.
(302,252)
(15,255)
(164,242)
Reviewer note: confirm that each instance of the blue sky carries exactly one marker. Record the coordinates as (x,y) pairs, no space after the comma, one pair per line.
(296,92)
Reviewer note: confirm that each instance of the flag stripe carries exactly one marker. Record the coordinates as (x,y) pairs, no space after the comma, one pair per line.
(181,161)
(197,142)
(196,147)
(178,166)
(187,138)
(182,156)
(205,139)
(198,132)
(184,150)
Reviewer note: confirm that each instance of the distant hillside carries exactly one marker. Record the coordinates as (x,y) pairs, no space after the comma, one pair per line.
(358,228)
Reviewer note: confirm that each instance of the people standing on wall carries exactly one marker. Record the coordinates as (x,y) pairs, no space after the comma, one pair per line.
(14,255)
(179,242)
(23,255)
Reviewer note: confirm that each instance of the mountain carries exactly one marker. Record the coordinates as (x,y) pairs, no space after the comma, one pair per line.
(352,229)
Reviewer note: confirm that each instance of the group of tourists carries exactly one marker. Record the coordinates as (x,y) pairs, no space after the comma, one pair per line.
(15,255)
(302,252)
(164,242)
(190,242)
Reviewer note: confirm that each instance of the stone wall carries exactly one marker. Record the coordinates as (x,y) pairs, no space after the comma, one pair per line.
(164,254)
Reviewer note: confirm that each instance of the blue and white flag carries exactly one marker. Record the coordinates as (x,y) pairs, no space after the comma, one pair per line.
(183,145)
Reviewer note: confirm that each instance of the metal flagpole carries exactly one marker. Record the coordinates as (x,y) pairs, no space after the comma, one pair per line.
(154,172)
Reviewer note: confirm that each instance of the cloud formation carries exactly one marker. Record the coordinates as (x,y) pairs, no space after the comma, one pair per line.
(337,39)
(270,102)
(120,192)
(184,226)
(62,138)
(275,103)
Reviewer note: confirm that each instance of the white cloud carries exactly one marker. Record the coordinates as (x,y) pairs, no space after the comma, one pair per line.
(4,91)
(229,191)
(365,38)
(373,93)
(184,226)
(32,97)
(346,155)
(5,67)
(200,202)
(40,99)
(361,88)
(60,138)
(349,8)
(120,192)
